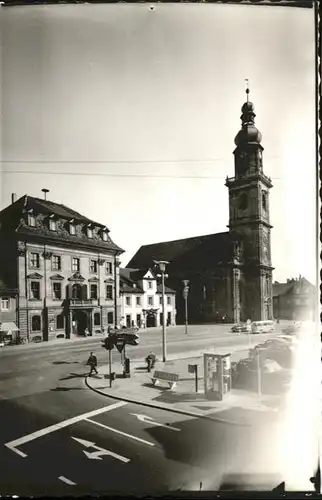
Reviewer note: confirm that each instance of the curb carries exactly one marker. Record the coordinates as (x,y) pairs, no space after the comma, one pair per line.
(51,343)
(161,407)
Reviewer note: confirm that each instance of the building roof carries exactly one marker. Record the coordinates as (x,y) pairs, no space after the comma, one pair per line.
(131,276)
(284,288)
(166,289)
(6,290)
(187,253)
(12,220)
(127,283)
(127,288)
(281,288)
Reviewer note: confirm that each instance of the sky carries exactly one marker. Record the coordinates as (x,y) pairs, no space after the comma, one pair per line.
(128,115)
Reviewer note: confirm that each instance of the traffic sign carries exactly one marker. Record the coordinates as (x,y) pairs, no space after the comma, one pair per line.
(119,344)
(129,338)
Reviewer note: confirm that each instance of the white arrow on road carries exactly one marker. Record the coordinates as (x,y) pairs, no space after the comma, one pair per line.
(149,420)
(97,455)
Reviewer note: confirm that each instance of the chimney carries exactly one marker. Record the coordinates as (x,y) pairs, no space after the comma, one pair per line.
(13,198)
(45,191)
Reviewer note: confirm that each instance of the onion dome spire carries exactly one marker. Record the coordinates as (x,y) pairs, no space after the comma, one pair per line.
(248,134)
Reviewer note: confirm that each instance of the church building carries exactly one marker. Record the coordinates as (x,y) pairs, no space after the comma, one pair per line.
(230,273)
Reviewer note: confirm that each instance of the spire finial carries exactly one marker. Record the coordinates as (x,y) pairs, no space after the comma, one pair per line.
(247,88)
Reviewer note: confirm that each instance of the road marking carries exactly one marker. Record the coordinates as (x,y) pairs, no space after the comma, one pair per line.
(12,445)
(97,455)
(149,420)
(119,432)
(67,481)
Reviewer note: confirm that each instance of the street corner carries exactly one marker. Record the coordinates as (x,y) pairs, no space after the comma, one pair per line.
(239,408)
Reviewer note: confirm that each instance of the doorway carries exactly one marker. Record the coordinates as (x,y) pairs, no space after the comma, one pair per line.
(151,320)
(81,322)
(128,320)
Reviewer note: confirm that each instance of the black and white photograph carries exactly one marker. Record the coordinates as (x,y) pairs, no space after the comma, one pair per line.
(159,248)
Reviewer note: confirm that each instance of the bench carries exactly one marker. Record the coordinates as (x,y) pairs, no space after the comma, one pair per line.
(170,378)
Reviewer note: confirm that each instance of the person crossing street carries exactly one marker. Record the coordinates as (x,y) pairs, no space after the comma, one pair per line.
(92,362)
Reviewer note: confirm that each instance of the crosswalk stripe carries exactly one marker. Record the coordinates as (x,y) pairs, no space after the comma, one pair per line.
(67,481)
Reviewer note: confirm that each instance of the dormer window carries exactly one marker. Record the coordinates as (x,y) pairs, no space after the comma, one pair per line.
(104,233)
(52,223)
(89,232)
(31,220)
(72,227)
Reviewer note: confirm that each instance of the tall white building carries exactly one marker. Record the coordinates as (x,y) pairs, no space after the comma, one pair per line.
(141,299)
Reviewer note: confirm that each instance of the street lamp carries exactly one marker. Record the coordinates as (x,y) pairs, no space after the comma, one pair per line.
(116,291)
(185,296)
(162,265)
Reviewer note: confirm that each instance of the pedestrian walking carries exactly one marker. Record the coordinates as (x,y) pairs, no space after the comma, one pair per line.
(150,360)
(92,362)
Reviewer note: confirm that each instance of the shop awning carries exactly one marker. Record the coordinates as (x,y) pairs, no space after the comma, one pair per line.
(10,326)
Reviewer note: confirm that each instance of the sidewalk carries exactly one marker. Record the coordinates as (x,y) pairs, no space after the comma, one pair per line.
(239,407)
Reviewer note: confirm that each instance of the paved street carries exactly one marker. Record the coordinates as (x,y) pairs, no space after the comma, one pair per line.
(129,448)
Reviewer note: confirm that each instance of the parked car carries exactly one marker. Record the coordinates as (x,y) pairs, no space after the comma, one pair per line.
(239,327)
(263,326)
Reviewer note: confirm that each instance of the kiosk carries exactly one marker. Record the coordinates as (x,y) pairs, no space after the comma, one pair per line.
(217,375)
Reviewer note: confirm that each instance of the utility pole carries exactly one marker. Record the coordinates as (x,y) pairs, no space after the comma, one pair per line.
(185,296)
(162,265)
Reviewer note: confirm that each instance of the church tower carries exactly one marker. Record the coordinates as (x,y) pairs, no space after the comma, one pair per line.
(249,224)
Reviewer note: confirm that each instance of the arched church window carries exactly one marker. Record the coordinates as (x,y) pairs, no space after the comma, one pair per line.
(264,200)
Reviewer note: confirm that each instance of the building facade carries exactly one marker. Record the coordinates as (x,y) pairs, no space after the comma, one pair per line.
(295,300)
(65,267)
(141,299)
(230,273)
(8,311)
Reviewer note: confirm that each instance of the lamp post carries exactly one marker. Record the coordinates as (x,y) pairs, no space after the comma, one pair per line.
(116,289)
(162,264)
(185,296)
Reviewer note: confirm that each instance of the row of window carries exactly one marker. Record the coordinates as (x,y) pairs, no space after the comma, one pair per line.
(76,291)
(60,321)
(138,301)
(5,304)
(53,226)
(34,263)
